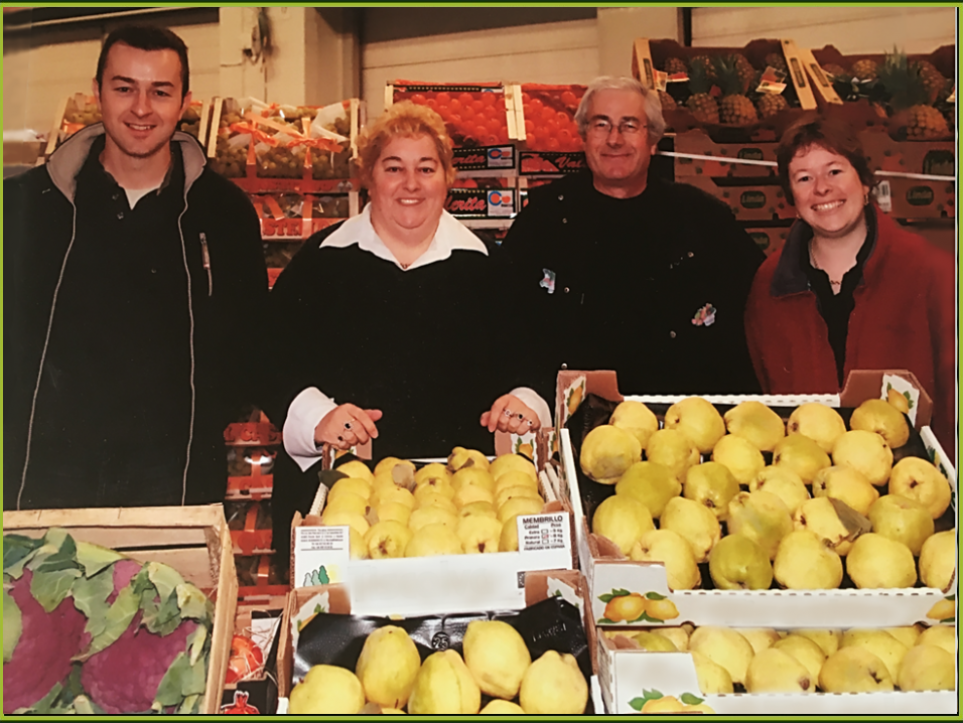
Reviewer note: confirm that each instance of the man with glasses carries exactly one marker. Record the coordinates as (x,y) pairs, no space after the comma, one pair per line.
(626,271)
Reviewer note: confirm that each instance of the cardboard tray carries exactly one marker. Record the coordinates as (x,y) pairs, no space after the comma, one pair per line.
(607,571)
(625,675)
(552,616)
(193,540)
(440,584)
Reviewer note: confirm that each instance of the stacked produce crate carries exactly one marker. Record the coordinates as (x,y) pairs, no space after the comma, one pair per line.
(295,162)
(686,615)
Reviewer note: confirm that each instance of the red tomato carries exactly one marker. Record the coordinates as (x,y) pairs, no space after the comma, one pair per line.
(549,113)
(488,98)
(526,98)
(443,98)
(568,98)
(563,119)
(418,98)
(481,132)
(494,124)
(531,140)
(455,105)
(502,136)
(465,98)
(564,136)
(529,126)
(477,106)
(550,126)
(536,105)
(492,140)
(552,144)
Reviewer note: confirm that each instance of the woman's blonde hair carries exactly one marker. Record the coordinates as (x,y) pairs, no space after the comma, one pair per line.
(404,120)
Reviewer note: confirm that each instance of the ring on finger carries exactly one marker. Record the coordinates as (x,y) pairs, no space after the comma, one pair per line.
(347,425)
(508,413)
(340,438)
(530,422)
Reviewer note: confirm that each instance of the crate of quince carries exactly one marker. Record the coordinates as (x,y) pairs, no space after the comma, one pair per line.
(810,510)
(536,657)
(780,670)
(483,524)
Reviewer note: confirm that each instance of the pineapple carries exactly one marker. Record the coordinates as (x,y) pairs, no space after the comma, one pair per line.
(775,60)
(770,104)
(668,102)
(746,72)
(675,65)
(706,64)
(933,79)
(837,72)
(865,70)
(702,105)
(913,118)
(735,108)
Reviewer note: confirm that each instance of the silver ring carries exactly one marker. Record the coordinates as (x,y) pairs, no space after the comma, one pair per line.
(508,412)
(347,425)
(530,422)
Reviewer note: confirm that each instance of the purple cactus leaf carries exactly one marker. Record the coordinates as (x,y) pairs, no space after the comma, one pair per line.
(118,617)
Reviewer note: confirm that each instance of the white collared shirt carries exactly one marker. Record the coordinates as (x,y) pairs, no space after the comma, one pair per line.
(311,405)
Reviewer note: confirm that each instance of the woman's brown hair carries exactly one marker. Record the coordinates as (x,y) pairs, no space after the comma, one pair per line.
(829,133)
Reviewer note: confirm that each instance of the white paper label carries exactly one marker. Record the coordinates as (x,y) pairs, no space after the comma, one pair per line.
(319,554)
(543,532)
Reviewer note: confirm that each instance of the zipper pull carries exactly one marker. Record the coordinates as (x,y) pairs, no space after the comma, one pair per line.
(206,260)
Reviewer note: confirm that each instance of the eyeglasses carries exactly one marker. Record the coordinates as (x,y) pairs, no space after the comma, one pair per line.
(603,127)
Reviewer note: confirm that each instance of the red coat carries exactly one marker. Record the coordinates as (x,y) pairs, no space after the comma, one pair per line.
(903,318)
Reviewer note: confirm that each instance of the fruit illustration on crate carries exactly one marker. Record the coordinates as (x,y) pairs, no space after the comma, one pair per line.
(944,611)
(652,701)
(622,606)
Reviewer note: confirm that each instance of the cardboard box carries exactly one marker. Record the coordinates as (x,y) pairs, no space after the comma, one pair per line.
(440,584)
(725,157)
(24,153)
(611,575)
(936,158)
(324,599)
(912,198)
(627,675)
(749,202)
(193,540)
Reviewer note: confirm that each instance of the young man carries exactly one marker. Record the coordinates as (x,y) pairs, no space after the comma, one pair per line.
(629,272)
(130,268)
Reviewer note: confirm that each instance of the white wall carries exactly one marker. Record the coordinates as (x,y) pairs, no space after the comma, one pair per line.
(853,30)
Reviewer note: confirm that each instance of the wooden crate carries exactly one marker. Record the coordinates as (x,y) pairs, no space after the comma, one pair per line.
(195,541)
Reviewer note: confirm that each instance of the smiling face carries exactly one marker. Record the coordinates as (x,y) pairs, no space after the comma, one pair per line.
(408,187)
(140,100)
(619,162)
(827,190)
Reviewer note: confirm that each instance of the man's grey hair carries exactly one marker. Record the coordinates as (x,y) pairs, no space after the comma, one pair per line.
(653,106)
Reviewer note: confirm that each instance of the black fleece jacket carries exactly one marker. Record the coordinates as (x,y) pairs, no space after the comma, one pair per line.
(223,304)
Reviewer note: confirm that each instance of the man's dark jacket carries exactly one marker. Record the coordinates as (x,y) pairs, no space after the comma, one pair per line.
(659,297)
(225,295)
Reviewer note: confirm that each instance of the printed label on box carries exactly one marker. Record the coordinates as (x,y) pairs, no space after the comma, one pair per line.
(543,532)
(895,387)
(501,203)
(319,553)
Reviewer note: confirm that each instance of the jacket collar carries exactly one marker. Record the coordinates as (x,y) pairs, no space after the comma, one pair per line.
(790,277)
(66,161)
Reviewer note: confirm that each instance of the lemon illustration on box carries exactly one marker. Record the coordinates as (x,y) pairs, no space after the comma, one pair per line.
(622,606)
(944,610)
(525,446)
(574,397)
(652,701)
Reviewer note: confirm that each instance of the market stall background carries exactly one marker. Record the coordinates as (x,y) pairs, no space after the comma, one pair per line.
(364,59)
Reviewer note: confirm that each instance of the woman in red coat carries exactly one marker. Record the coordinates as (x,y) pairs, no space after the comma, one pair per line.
(851,289)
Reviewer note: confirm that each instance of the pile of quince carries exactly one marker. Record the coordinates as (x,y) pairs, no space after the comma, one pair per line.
(496,662)
(765,660)
(468,505)
(829,495)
